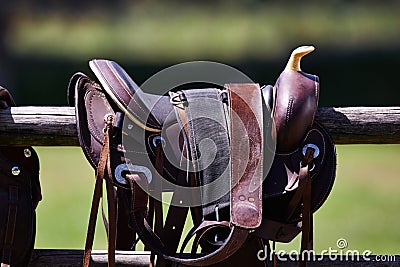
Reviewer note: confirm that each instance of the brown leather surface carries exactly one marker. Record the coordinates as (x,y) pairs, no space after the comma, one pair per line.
(127,95)
(295,106)
(246,133)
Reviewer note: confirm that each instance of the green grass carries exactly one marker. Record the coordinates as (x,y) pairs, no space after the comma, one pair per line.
(362,208)
(67,184)
(175,32)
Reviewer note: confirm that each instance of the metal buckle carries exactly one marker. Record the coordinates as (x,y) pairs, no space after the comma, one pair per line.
(121,168)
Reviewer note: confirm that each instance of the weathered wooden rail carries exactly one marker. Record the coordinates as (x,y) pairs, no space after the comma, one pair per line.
(53,257)
(56,126)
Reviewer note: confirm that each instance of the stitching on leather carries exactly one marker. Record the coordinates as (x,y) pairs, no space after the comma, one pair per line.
(289,110)
(92,125)
(80,128)
(316,85)
(91,128)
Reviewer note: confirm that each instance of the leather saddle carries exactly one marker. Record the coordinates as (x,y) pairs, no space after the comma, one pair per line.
(20,194)
(268,168)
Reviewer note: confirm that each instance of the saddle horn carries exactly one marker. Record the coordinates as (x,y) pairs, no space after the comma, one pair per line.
(296,56)
(296,101)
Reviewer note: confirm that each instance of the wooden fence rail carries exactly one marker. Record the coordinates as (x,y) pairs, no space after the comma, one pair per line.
(54,257)
(56,126)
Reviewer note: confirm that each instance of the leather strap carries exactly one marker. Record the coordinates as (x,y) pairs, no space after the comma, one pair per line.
(307,220)
(126,236)
(102,172)
(172,229)
(112,222)
(246,132)
(303,196)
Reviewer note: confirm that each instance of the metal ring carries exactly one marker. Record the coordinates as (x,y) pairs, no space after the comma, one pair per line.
(315,147)
(156,138)
(27,153)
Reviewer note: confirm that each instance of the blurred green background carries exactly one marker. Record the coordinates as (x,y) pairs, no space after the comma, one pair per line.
(357,57)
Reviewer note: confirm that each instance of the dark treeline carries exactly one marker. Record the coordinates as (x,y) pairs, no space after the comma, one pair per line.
(367,78)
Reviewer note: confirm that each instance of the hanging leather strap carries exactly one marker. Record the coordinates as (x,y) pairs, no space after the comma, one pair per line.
(103,173)
(303,196)
(307,219)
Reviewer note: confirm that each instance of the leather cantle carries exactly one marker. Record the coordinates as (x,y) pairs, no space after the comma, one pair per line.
(145,118)
(146,110)
(119,96)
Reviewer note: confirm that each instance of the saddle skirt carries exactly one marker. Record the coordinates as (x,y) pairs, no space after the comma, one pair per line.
(151,137)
